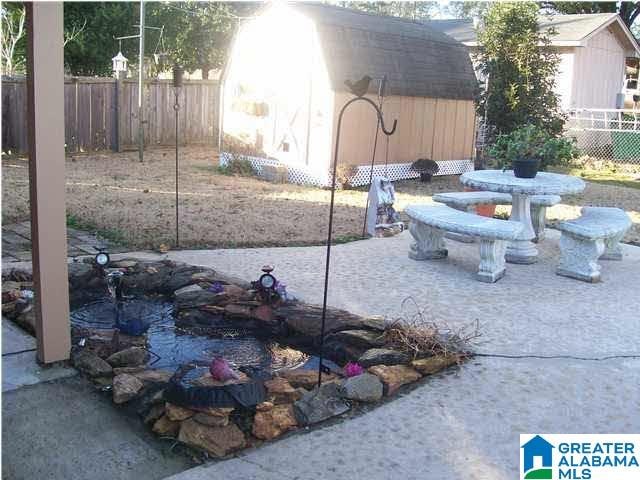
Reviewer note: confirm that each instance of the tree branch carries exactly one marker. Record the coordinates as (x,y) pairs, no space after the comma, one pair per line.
(74,33)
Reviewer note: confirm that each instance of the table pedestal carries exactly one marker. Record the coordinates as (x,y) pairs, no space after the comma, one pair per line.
(522,250)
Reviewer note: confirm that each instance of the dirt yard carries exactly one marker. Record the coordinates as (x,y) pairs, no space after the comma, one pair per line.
(134,203)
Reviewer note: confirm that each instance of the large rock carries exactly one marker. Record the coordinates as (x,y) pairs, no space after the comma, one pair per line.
(383,356)
(207,380)
(199,298)
(359,338)
(307,379)
(152,376)
(129,357)
(196,317)
(218,441)
(147,277)
(183,275)
(125,388)
(362,388)
(177,413)
(212,420)
(320,404)
(394,376)
(279,390)
(274,422)
(92,365)
(166,427)
(306,320)
(214,411)
(431,365)
(124,263)
(153,414)
(187,289)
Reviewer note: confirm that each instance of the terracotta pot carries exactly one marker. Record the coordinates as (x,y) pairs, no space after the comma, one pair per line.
(484,210)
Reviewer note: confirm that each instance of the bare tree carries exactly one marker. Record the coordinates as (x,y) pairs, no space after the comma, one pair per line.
(70,36)
(13,19)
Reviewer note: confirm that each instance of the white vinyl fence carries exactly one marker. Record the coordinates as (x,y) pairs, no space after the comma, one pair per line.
(606,134)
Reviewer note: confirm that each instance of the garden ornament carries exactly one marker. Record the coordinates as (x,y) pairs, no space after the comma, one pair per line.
(381,214)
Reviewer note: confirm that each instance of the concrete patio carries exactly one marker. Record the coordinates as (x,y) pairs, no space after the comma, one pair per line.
(464,423)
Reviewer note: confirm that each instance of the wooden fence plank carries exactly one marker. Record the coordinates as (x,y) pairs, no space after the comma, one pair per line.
(97,117)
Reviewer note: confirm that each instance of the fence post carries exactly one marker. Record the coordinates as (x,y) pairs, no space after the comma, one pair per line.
(118,113)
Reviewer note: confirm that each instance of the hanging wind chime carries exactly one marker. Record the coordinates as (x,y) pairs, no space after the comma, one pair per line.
(359,89)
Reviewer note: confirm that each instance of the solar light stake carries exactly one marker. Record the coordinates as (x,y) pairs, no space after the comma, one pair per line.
(330,232)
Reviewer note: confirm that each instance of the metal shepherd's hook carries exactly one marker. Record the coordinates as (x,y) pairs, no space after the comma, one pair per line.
(359,89)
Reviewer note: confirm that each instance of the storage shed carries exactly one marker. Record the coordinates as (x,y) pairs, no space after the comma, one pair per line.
(283,87)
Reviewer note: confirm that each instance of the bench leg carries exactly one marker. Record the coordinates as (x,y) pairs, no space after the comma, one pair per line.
(538,218)
(612,249)
(429,243)
(579,258)
(492,264)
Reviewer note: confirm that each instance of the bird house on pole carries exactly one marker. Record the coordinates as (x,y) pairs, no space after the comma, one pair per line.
(120,65)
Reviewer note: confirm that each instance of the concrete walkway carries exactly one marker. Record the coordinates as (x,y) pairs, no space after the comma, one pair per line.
(56,425)
(465,423)
(16,243)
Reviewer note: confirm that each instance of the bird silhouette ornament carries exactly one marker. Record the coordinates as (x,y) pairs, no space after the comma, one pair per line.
(359,88)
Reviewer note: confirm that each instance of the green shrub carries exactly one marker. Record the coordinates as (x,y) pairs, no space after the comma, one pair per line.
(238,165)
(532,142)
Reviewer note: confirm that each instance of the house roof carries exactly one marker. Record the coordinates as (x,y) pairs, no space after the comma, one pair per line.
(418,60)
(570,30)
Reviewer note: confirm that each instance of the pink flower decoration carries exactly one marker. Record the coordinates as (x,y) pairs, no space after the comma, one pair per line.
(221,371)
(352,369)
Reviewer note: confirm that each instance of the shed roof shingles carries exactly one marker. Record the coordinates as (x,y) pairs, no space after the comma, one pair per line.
(568,28)
(418,60)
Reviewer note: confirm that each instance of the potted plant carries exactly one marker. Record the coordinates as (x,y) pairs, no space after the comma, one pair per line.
(426,168)
(530,149)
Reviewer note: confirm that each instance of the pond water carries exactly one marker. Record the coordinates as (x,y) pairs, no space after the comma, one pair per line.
(173,346)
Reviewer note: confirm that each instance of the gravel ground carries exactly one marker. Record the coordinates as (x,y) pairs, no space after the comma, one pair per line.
(134,202)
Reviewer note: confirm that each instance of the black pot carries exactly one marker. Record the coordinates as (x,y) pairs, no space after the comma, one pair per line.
(526,167)
(426,177)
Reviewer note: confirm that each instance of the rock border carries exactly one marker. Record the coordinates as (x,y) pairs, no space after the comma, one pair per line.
(204,298)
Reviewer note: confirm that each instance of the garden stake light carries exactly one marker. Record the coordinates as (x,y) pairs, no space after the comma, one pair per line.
(359,92)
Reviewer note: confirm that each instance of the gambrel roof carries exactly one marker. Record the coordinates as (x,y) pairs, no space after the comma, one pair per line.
(419,61)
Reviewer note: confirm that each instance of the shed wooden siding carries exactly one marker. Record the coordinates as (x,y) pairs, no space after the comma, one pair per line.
(598,72)
(440,129)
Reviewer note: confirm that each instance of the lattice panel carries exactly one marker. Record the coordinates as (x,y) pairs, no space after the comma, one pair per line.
(402,171)
(298,175)
(393,171)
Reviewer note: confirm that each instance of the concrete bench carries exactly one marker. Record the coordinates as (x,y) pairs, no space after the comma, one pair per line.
(430,223)
(596,234)
(467,201)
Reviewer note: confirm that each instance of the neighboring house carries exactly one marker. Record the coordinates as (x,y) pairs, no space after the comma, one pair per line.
(598,56)
(283,87)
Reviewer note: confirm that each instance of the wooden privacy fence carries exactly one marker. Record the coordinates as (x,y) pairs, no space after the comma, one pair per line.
(102,113)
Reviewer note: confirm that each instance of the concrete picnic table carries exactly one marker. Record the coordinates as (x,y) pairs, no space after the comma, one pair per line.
(522,250)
